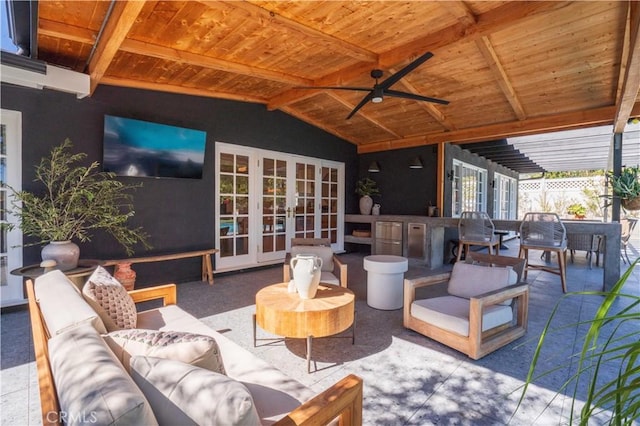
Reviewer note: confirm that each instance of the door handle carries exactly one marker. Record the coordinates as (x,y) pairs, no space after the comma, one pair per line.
(288,211)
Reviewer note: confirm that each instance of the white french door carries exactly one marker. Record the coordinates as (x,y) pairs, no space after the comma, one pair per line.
(285,196)
(10,174)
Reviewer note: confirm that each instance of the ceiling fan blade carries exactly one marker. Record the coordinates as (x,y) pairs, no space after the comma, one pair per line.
(413,96)
(360,89)
(362,103)
(406,70)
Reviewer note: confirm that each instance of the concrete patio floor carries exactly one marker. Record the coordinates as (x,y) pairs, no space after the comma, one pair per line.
(408,378)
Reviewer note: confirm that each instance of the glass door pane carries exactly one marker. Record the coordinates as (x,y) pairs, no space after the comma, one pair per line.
(274,208)
(305,201)
(329,204)
(233,189)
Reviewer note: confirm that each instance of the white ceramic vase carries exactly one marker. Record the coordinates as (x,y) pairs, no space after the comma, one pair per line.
(65,253)
(306,274)
(366,203)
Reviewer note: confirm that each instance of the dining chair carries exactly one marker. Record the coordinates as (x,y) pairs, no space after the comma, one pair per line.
(546,232)
(476,229)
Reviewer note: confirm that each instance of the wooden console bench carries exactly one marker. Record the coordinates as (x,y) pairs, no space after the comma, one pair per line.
(207,268)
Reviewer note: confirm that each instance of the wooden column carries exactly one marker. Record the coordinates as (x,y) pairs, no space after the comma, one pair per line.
(440,179)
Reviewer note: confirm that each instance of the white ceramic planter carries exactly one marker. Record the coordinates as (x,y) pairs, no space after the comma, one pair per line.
(65,253)
(366,203)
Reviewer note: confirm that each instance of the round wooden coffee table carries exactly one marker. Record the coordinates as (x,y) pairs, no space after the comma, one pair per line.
(285,314)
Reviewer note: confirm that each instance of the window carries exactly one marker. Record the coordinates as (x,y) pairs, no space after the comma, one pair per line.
(10,174)
(469,188)
(504,197)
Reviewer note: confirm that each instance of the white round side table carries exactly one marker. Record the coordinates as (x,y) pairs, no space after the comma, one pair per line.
(385,281)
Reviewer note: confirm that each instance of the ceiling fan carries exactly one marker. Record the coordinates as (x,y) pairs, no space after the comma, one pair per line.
(380,90)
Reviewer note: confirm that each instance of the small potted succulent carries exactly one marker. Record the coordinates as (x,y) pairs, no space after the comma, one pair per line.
(577,210)
(365,188)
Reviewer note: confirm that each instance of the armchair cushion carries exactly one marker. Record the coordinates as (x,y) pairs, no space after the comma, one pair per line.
(468,280)
(329,278)
(324,253)
(110,300)
(452,313)
(190,348)
(183,394)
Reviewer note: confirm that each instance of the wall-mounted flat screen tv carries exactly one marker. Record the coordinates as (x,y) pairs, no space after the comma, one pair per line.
(146,149)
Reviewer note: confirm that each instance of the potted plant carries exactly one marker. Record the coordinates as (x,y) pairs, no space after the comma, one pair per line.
(365,188)
(74,201)
(577,210)
(627,187)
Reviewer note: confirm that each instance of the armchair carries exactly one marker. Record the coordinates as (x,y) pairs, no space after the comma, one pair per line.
(333,270)
(485,309)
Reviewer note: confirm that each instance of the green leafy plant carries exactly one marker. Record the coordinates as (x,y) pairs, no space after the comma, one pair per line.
(627,185)
(577,209)
(75,201)
(611,342)
(367,186)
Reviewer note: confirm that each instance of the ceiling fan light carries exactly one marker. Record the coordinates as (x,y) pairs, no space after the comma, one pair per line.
(376,99)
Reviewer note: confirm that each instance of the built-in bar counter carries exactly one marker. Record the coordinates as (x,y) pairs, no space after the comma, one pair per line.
(435,245)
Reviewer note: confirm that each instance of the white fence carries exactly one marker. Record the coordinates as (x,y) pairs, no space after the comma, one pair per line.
(556,195)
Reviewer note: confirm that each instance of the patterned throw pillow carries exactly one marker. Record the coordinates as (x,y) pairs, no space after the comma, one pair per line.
(110,300)
(190,348)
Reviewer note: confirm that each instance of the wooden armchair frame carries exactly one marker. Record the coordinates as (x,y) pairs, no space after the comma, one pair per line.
(479,343)
(342,400)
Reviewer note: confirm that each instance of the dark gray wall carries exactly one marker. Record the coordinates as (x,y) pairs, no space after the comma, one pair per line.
(403,190)
(177,213)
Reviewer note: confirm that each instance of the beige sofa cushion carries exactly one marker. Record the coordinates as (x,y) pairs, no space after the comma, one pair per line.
(183,394)
(61,304)
(274,393)
(452,313)
(469,280)
(324,253)
(110,300)
(195,349)
(92,385)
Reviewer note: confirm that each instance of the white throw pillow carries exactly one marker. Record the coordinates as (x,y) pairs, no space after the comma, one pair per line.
(183,394)
(471,280)
(195,349)
(110,300)
(92,385)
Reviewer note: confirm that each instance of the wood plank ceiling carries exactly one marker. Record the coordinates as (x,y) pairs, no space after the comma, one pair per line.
(507,67)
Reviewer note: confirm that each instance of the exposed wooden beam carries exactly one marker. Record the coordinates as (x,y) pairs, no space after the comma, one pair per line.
(571,120)
(500,75)
(487,23)
(307,119)
(338,78)
(462,13)
(430,108)
(182,90)
(350,106)
(65,31)
(170,54)
(119,23)
(342,46)
(631,80)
